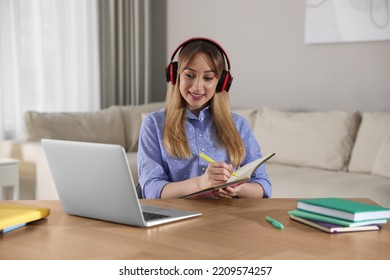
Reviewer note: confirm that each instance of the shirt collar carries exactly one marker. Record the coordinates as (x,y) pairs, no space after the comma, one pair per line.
(204,113)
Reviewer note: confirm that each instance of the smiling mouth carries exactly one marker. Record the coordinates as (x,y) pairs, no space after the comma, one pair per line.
(196,96)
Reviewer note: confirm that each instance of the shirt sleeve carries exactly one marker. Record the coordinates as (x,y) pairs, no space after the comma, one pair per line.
(151,171)
(253,151)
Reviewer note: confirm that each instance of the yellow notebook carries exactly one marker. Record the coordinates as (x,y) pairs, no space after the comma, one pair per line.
(13,216)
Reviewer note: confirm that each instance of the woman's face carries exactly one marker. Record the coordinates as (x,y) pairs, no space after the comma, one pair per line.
(198,82)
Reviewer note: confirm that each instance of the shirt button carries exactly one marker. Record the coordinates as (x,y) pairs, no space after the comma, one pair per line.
(200,135)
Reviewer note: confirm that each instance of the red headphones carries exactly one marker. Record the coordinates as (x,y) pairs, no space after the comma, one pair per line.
(224,82)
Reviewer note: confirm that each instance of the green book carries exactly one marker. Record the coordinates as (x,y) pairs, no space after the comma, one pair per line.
(322,218)
(344,209)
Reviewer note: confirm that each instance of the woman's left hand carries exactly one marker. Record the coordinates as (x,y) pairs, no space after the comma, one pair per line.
(227,193)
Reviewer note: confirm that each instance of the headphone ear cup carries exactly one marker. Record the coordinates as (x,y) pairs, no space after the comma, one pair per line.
(171,72)
(229,82)
(167,71)
(224,82)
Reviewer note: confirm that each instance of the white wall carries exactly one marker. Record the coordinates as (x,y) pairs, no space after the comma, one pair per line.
(271,64)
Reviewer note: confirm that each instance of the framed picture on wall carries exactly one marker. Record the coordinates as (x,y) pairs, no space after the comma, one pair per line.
(333,21)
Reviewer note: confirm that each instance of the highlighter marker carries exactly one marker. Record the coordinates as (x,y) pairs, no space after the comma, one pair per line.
(274,222)
(210,160)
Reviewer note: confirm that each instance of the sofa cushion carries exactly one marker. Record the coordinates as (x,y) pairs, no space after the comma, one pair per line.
(310,139)
(382,161)
(305,182)
(373,130)
(103,126)
(132,116)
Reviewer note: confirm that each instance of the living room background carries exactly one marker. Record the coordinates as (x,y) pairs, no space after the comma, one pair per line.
(271,64)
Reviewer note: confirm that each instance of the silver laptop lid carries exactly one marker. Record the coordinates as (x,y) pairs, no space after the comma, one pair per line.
(93,180)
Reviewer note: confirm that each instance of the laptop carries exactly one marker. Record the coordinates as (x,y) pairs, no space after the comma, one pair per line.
(93,180)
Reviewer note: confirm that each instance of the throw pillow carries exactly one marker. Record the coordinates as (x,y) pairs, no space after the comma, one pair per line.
(373,130)
(132,117)
(382,161)
(310,139)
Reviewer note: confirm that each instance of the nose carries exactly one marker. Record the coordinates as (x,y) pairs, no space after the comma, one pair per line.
(198,84)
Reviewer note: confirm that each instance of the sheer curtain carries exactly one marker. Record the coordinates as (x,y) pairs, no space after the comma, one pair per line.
(49,59)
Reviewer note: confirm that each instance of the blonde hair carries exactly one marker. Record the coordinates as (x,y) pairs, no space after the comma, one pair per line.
(174,136)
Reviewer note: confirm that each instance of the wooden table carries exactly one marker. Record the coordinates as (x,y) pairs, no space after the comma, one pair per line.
(228,229)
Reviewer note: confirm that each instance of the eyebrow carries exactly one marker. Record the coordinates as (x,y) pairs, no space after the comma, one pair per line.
(193,70)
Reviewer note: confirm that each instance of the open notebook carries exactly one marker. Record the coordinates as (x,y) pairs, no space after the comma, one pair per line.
(243,174)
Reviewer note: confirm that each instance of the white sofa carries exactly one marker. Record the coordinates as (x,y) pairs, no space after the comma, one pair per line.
(318,154)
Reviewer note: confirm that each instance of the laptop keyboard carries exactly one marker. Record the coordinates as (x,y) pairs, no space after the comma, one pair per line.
(153,216)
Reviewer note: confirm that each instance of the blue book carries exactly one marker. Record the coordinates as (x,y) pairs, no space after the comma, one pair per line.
(7,229)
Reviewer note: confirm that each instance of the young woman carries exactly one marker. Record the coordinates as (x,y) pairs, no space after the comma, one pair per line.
(197,119)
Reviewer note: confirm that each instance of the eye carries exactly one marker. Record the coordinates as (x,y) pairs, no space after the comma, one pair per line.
(208,78)
(188,74)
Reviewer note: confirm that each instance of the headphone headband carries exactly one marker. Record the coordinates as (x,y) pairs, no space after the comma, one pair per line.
(182,45)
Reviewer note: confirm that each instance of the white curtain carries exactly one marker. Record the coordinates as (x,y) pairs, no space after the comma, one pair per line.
(49,59)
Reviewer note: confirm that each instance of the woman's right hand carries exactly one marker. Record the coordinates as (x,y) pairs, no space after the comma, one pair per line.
(215,174)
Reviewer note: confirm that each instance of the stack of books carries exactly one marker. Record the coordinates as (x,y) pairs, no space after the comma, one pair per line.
(335,215)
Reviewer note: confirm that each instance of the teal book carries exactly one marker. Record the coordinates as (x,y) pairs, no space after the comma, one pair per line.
(344,209)
(332,220)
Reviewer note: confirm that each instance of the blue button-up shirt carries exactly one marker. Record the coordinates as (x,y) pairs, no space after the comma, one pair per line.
(156,167)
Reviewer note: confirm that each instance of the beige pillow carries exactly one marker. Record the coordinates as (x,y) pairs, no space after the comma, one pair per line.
(382,161)
(373,130)
(311,139)
(104,126)
(248,114)
(132,116)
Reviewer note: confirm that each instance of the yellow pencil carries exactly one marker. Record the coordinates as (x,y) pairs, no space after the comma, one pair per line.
(208,159)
